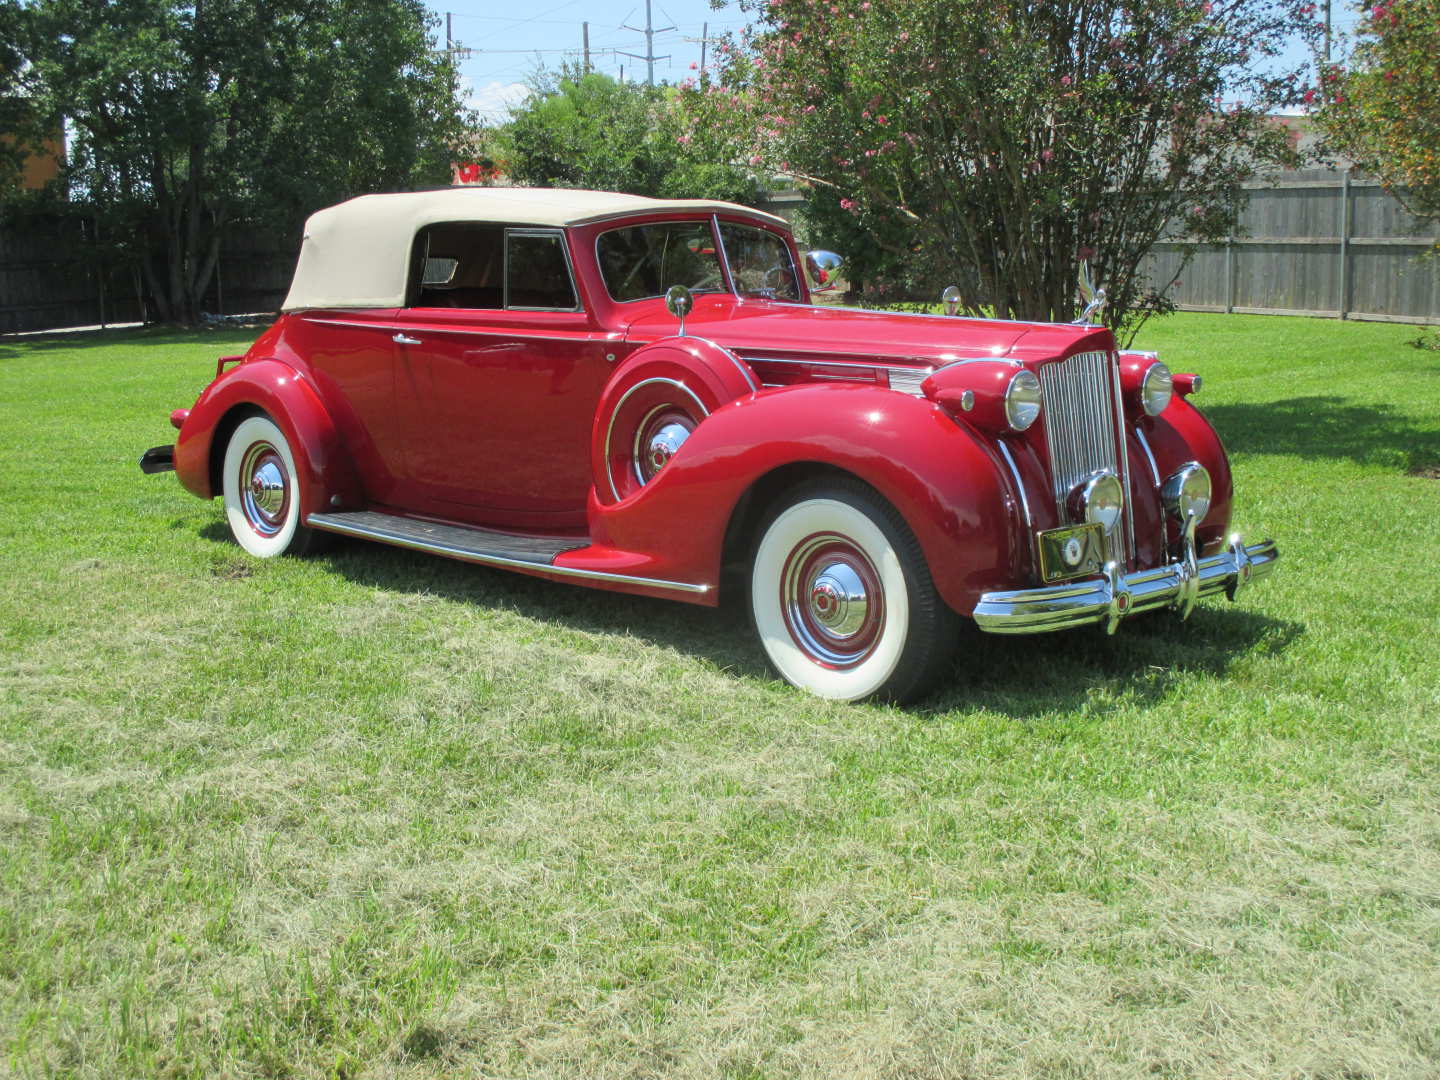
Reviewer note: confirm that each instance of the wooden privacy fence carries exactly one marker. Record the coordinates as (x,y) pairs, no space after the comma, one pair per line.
(54,273)
(1319,243)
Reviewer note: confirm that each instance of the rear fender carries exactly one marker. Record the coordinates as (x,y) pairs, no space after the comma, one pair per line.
(944,480)
(290,399)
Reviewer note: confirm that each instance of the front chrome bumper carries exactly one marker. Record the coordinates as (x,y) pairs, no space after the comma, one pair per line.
(1116,596)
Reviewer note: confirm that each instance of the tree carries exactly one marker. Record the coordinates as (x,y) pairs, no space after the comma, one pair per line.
(191,118)
(993,144)
(15,115)
(586,130)
(1384,111)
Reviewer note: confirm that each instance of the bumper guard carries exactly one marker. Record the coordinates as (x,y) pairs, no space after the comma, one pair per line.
(1116,596)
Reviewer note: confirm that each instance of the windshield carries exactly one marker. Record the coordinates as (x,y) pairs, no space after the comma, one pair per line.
(760,263)
(645,260)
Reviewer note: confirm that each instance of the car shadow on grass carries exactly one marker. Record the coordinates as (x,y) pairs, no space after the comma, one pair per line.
(1327,427)
(1016,675)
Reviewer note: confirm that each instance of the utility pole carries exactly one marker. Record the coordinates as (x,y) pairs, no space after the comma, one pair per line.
(585,32)
(449,34)
(1327,31)
(704,40)
(649,33)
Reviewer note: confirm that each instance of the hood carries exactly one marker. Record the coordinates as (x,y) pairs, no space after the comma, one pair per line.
(764,328)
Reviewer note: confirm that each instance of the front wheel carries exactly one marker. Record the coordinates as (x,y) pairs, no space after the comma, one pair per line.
(843,601)
(261,488)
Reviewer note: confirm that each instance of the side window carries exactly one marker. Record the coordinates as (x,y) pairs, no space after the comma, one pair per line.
(537,271)
(459,266)
(759,262)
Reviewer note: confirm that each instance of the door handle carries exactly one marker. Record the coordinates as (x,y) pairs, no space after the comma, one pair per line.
(401,339)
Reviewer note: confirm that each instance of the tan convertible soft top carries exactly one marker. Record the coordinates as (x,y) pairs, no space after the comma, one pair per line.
(356,254)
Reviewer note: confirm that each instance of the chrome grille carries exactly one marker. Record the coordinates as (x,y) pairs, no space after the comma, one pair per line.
(1080,416)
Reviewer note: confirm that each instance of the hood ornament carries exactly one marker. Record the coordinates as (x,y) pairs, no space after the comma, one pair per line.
(1093,298)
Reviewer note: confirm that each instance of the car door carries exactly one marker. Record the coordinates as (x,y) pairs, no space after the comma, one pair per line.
(499,370)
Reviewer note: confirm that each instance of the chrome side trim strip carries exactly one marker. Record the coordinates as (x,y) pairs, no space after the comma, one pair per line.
(1149,455)
(495,331)
(740,365)
(754,359)
(464,555)
(1155,473)
(1024,501)
(1124,451)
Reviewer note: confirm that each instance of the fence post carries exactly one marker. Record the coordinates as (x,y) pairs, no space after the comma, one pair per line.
(1230,275)
(1345,244)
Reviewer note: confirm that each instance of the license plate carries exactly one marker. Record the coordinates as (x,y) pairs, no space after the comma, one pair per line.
(1073,551)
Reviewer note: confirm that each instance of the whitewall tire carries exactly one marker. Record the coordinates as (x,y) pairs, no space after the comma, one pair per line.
(261,489)
(842,598)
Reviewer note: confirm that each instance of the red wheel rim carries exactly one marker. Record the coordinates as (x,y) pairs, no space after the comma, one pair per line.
(832,601)
(264,489)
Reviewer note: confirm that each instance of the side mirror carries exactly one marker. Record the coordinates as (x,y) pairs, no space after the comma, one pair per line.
(822,266)
(951,299)
(679,301)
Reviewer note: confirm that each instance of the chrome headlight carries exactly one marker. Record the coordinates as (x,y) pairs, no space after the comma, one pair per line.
(1187,491)
(1099,501)
(1156,389)
(1022,400)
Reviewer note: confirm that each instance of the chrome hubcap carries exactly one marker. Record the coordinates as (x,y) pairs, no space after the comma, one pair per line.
(264,489)
(665,442)
(832,601)
(837,600)
(657,439)
(267,488)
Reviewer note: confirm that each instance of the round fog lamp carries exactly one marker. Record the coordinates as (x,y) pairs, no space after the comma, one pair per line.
(1187,491)
(1099,501)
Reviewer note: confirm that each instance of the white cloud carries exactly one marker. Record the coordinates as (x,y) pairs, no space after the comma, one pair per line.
(494,100)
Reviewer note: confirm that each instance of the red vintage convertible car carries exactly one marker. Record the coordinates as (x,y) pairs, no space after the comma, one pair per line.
(638,395)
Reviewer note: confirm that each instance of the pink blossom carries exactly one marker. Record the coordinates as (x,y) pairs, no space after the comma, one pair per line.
(684,140)
(1064,80)
(847,204)
(754,159)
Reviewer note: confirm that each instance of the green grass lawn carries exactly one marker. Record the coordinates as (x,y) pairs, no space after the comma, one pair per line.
(380,814)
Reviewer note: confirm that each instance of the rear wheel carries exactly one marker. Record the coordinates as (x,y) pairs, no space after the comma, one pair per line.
(842,598)
(261,488)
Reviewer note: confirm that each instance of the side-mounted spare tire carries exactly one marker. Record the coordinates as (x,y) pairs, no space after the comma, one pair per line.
(655,399)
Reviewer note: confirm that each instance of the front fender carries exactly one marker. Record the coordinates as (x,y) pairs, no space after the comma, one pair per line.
(940,475)
(291,400)
(1182,434)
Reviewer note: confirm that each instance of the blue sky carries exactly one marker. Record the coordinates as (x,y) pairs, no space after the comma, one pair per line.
(510,42)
